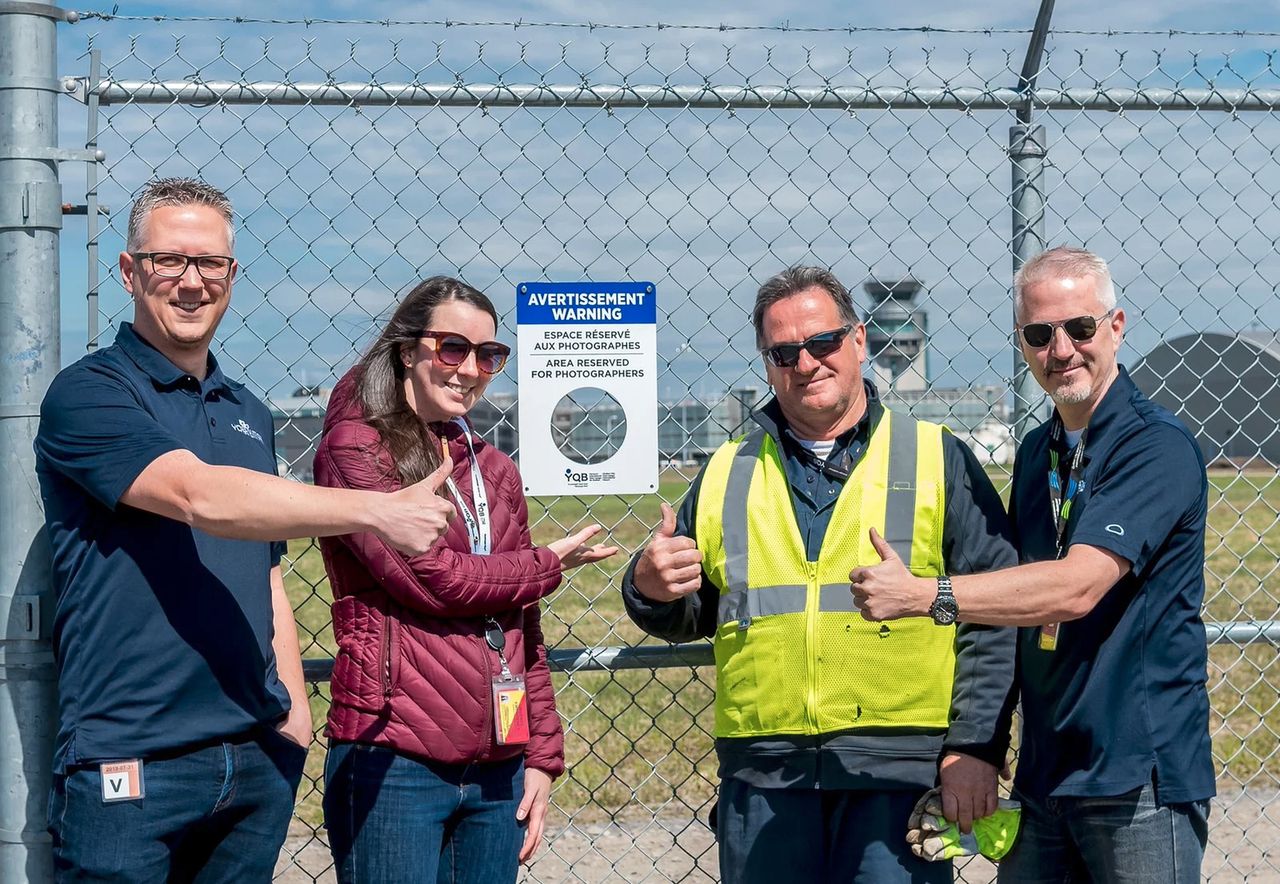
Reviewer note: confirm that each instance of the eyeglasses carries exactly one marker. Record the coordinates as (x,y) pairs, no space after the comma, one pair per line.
(820,345)
(174,264)
(453,349)
(1078,328)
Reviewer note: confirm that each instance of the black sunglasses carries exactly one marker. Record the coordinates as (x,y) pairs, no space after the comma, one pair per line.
(1078,328)
(820,345)
(453,349)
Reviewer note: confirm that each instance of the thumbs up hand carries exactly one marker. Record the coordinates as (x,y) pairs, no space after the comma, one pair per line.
(886,552)
(888,591)
(414,517)
(671,565)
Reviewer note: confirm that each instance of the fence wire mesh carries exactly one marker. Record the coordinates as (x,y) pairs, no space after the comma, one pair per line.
(362,159)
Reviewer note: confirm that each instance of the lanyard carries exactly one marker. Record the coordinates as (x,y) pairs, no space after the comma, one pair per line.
(478,531)
(1061,499)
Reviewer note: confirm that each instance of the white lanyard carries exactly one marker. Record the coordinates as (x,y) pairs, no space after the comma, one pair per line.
(478,525)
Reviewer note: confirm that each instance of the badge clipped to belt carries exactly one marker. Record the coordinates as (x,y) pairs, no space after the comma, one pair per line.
(510,699)
(122,780)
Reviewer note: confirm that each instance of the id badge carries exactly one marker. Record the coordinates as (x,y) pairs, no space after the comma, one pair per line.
(121,780)
(1049,636)
(510,711)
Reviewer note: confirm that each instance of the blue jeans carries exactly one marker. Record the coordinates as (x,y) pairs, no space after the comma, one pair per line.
(392,818)
(213,814)
(1129,838)
(836,836)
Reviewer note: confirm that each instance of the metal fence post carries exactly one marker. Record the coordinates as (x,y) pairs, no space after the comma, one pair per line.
(30,220)
(1027,151)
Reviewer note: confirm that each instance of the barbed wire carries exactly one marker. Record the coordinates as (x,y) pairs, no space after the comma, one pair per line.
(784,27)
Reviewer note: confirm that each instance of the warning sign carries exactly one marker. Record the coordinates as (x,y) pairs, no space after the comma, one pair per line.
(588,356)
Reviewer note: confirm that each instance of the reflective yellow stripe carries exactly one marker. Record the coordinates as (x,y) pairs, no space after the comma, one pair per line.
(931,502)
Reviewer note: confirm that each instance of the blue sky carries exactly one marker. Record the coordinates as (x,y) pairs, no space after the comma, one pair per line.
(340,210)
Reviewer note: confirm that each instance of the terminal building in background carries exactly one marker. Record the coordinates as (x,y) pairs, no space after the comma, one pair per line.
(898,346)
(690,430)
(299,418)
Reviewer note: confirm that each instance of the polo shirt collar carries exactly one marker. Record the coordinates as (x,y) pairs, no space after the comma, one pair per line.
(157,366)
(1114,405)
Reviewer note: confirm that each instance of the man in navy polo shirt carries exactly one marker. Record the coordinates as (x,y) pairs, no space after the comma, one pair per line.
(183,717)
(1109,504)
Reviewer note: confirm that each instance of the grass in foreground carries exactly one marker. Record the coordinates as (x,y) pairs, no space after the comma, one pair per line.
(639,742)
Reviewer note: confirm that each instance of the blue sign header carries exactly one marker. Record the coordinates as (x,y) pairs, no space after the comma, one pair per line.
(554,303)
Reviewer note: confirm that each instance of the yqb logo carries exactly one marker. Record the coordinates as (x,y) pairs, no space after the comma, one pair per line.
(571,476)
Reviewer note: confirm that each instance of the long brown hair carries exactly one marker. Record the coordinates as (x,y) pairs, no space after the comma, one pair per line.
(382,372)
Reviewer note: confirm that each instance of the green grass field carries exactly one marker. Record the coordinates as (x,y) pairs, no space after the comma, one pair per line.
(638,741)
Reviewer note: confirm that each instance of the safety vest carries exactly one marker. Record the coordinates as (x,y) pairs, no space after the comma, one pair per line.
(793,656)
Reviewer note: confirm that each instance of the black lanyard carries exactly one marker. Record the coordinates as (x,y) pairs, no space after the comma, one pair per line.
(1061,500)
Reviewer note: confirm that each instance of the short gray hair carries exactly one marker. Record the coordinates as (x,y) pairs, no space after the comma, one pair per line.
(1065,262)
(176,192)
(793,281)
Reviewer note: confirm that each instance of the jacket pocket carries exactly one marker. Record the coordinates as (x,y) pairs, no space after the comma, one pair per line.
(389,656)
(358,666)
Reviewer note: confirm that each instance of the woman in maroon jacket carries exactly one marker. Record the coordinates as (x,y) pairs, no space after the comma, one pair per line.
(443,728)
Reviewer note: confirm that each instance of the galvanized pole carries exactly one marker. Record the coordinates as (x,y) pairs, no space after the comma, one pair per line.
(1027,153)
(30,219)
(1028,148)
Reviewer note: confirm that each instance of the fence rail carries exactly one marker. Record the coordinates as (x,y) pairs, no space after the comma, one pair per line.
(960,98)
(650,657)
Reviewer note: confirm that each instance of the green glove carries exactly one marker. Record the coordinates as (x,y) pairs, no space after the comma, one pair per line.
(932,837)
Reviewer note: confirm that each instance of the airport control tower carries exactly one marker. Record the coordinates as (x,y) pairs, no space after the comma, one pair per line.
(898,332)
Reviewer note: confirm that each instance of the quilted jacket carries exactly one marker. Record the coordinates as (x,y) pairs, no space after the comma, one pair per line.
(413,671)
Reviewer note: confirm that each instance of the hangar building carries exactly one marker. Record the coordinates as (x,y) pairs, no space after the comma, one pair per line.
(1225,387)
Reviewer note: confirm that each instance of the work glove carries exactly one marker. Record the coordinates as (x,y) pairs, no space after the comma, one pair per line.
(932,837)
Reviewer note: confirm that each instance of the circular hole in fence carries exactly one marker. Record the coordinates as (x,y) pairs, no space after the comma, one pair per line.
(588,425)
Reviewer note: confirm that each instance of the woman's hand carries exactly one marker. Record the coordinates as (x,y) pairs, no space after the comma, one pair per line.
(296,727)
(573,550)
(532,813)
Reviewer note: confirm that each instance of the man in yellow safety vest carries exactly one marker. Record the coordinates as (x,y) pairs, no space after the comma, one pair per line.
(829,727)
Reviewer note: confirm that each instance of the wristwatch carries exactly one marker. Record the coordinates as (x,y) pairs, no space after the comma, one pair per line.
(944,609)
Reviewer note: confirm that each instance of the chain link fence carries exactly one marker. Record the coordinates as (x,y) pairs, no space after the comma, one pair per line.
(363,157)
